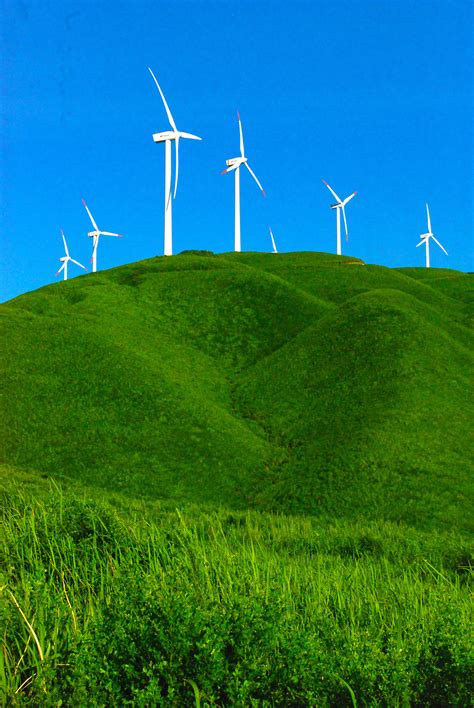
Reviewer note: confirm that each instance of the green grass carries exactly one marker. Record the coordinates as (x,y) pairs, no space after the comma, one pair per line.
(136,605)
(238,479)
(298,382)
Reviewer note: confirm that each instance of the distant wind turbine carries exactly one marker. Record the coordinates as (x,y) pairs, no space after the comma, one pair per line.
(234,164)
(167,137)
(273,240)
(340,206)
(66,258)
(95,235)
(425,239)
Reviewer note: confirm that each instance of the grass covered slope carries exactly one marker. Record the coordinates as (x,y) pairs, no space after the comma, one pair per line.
(301,382)
(124,377)
(370,400)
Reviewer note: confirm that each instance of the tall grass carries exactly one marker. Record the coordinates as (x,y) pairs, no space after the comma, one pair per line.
(184,608)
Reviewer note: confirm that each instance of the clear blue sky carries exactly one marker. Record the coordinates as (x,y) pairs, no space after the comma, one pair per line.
(371,96)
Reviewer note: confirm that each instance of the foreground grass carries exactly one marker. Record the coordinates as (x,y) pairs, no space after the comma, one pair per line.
(133,606)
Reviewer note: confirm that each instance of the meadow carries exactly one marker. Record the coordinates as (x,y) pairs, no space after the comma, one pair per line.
(238,479)
(132,604)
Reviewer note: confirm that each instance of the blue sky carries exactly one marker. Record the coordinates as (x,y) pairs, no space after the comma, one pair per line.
(371,96)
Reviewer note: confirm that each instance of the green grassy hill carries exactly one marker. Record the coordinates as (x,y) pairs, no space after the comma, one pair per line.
(154,415)
(300,382)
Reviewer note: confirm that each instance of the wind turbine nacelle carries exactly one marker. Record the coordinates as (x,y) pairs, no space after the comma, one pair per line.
(234,161)
(91,234)
(64,258)
(336,206)
(161,137)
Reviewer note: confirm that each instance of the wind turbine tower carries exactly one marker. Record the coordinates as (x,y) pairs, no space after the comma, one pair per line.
(425,239)
(234,164)
(339,206)
(166,137)
(95,235)
(66,258)
(273,240)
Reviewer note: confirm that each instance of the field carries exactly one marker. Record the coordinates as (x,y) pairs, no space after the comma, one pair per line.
(147,606)
(241,479)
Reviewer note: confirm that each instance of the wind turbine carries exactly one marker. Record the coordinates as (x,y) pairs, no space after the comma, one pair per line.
(425,239)
(65,259)
(273,240)
(167,137)
(234,164)
(340,206)
(95,235)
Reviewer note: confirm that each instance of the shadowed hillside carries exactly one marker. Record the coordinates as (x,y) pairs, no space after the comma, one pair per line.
(298,382)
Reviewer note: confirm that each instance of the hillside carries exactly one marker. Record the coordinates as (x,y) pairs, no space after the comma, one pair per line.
(300,382)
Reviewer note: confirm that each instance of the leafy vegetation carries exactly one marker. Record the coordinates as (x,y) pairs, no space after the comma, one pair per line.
(148,606)
(238,479)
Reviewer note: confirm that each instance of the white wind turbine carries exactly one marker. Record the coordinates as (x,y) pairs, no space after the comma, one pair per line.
(340,206)
(167,137)
(425,239)
(95,235)
(273,240)
(66,258)
(234,164)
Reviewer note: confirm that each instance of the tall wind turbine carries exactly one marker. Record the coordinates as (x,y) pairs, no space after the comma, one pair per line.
(340,206)
(66,258)
(95,235)
(167,137)
(234,164)
(273,240)
(425,239)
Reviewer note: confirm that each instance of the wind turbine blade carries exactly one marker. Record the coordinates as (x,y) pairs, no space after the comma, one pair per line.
(109,233)
(255,177)
(442,247)
(332,191)
(345,223)
(421,243)
(64,241)
(90,216)
(232,167)
(241,136)
(168,112)
(429,220)
(273,240)
(176,168)
(348,199)
(190,136)
(77,263)
(62,268)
